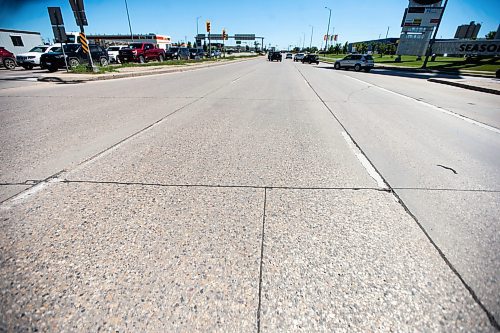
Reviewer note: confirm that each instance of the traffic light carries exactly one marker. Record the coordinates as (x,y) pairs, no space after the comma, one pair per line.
(208,26)
(224,36)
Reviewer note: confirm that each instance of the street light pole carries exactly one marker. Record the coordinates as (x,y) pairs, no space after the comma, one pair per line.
(197,33)
(129,25)
(328,29)
(303,40)
(311,41)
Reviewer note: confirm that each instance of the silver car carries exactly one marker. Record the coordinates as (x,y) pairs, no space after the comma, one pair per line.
(299,57)
(356,61)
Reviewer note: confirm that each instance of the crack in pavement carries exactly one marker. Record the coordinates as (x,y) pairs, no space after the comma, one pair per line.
(259,306)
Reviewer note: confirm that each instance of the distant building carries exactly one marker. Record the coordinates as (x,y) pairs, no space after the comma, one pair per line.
(468,31)
(19,41)
(162,41)
(372,43)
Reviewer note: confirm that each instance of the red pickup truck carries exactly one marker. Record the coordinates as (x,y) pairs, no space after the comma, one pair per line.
(141,52)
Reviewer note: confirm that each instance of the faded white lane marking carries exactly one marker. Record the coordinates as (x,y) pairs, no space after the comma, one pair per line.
(364,161)
(456,115)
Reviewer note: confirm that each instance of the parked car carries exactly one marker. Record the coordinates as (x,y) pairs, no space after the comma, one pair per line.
(311,59)
(217,53)
(141,53)
(113,52)
(7,59)
(299,57)
(356,61)
(31,59)
(196,54)
(275,56)
(288,56)
(75,56)
(177,53)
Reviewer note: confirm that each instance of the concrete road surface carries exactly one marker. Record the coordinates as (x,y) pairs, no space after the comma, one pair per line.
(254,196)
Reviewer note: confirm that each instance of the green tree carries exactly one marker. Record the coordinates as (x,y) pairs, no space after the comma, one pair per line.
(361,47)
(189,44)
(337,48)
(345,48)
(382,49)
(491,35)
(391,49)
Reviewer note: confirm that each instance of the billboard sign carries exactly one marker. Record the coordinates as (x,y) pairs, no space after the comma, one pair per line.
(468,47)
(422,16)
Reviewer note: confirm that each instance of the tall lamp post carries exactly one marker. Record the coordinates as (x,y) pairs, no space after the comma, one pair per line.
(197,33)
(311,41)
(328,29)
(129,25)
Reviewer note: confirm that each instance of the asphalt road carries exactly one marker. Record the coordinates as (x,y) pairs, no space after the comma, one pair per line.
(254,196)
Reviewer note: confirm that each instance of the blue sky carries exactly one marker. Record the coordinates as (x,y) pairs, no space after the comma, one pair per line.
(281,22)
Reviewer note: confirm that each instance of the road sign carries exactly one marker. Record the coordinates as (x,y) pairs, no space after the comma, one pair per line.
(56,20)
(79,11)
(59,34)
(82,39)
(244,37)
(55,15)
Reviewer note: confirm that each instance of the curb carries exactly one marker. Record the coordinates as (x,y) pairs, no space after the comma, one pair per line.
(420,70)
(466,86)
(74,79)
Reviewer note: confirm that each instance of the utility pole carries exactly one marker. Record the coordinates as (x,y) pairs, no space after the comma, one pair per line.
(387,34)
(433,40)
(328,29)
(303,40)
(129,25)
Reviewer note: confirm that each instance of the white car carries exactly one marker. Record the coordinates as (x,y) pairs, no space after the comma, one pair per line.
(299,57)
(113,52)
(32,58)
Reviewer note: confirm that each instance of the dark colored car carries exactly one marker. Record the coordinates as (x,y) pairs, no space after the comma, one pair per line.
(196,54)
(178,53)
(311,59)
(74,55)
(7,59)
(275,56)
(141,53)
